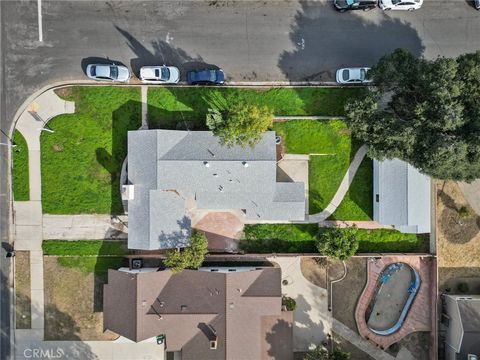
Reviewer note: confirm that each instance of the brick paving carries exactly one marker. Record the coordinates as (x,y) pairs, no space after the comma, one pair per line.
(419,316)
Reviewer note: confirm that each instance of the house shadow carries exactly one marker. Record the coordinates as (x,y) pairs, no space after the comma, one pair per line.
(326,43)
(124,119)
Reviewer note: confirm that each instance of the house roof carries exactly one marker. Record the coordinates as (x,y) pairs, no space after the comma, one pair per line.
(174,172)
(192,306)
(403,194)
(464,326)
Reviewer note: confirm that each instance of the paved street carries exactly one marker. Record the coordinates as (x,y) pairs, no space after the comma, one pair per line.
(268,40)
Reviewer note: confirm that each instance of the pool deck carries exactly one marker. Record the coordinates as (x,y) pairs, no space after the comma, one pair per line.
(419,316)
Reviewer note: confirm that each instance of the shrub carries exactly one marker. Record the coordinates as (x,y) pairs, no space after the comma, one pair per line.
(338,243)
(191,257)
(289,303)
(464,212)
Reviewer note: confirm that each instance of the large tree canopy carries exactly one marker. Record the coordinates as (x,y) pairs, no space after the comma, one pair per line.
(424,112)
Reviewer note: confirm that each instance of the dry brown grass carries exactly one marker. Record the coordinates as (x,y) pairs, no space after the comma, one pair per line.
(314,272)
(73,303)
(458,238)
(22,290)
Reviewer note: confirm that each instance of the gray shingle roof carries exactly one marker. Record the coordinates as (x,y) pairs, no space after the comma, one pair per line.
(403,194)
(169,168)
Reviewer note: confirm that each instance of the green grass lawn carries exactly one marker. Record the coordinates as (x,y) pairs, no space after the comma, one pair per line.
(84,247)
(96,265)
(82,159)
(300,238)
(169,107)
(358,201)
(20,168)
(332,139)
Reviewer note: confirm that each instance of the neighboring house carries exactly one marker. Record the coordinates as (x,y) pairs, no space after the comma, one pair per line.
(173,173)
(204,315)
(461,317)
(401,196)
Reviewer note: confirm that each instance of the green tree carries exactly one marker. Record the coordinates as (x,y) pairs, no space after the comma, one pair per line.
(423,112)
(241,124)
(338,243)
(320,353)
(191,257)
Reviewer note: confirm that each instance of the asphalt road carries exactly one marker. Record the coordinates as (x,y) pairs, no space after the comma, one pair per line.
(251,40)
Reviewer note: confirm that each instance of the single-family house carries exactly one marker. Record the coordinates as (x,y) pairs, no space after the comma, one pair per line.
(461,317)
(202,315)
(171,174)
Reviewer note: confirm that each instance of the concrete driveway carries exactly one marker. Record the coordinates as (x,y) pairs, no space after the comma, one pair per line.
(312,321)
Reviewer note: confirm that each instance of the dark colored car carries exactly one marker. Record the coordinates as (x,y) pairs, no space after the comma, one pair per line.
(206,77)
(344,5)
(476,3)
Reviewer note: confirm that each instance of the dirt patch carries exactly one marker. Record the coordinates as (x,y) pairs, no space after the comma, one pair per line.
(347,292)
(22,290)
(315,270)
(417,343)
(57,147)
(458,231)
(346,346)
(73,303)
(64,93)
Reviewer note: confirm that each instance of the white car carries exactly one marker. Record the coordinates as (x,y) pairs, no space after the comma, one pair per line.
(353,76)
(108,72)
(159,74)
(400,4)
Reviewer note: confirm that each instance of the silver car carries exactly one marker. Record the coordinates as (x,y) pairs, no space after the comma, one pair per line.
(353,76)
(108,72)
(159,74)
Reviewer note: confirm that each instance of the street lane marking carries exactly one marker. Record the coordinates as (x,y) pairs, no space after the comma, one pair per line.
(40,25)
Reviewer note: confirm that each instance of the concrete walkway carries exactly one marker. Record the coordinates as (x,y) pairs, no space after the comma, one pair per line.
(312,320)
(28,214)
(144,94)
(355,339)
(84,227)
(342,189)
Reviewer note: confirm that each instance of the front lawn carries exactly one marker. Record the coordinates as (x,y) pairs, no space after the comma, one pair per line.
(20,168)
(172,107)
(82,159)
(331,149)
(84,247)
(300,238)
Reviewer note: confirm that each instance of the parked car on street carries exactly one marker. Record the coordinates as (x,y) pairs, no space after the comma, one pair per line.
(400,4)
(108,72)
(476,3)
(159,74)
(353,76)
(344,5)
(206,77)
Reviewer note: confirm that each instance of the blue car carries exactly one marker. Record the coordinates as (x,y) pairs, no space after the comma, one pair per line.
(206,77)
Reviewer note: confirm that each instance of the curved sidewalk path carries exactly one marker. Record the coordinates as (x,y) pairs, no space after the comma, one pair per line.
(28,221)
(342,189)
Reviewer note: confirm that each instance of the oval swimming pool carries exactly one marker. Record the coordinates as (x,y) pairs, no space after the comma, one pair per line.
(396,288)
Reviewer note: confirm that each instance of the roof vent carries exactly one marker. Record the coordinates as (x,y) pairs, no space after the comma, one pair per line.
(231,305)
(144,303)
(215,175)
(183,307)
(245,164)
(220,188)
(206,164)
(213,344)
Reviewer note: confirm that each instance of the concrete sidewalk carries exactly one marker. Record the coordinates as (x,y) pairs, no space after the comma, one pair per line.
(84,227)
(312,320)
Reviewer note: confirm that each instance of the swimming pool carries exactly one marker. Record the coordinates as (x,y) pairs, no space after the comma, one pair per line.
(396,288)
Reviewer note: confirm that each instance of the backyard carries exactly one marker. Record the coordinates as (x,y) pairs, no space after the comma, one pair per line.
(82,159)
(301,238)
(74,275)
(331,149)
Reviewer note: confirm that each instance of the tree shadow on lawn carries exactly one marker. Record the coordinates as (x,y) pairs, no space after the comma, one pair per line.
(124,119)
